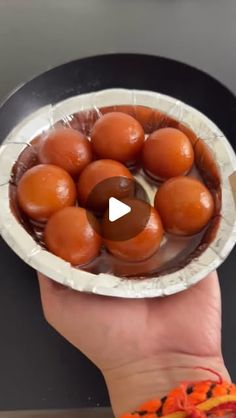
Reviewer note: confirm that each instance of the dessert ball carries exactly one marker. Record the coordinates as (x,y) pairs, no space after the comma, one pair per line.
(117,136)
(185,205)
(167,153)
(43,190)
(101,180)
(133,238)
(69,235)
(66,148)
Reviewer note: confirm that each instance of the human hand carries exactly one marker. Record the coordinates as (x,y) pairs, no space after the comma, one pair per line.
(145,346)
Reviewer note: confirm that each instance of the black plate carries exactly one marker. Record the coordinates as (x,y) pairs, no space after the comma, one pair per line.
(128,71)
(38,368)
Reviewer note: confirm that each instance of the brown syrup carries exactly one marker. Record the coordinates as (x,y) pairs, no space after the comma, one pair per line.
(175,252)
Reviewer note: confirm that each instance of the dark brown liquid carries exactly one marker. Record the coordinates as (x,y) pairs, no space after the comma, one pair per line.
(175,251)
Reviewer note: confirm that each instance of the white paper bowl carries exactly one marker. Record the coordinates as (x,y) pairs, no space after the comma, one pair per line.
(105,284)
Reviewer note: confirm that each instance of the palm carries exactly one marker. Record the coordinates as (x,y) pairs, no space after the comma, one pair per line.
(113,332)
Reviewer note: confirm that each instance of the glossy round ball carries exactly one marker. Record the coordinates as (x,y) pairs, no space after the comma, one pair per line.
(167,153)
(117,136)
(102,179)
(43,190)
(141,246)
(66,148)
(185,205)
(69,235)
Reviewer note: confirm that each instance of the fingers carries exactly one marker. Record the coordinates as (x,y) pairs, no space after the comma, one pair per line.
(210,280)
(59,301)
(208,287)
(77,316)
(46,290)
(49,286)
(50,292)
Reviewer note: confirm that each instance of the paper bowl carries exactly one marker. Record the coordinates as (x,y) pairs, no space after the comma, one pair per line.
(34,255)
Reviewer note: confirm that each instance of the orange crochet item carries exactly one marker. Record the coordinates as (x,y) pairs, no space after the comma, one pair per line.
(151,406)
(192,400)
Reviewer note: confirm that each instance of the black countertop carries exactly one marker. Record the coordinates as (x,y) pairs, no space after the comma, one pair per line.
(38,369)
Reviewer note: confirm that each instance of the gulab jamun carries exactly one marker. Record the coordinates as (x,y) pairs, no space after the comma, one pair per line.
(101,180)
(139,246)
(43,190)
(69,235)
(66,148)
(117,136)
(167,153)
(185,205)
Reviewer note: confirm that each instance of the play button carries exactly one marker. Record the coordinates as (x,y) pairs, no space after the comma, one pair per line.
(128,225)
(117,209)
(121,207)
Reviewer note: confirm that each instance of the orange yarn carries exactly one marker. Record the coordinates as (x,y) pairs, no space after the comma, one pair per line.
(191,400)
(151,406)
(173,401)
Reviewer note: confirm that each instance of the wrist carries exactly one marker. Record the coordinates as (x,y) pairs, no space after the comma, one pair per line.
(132,384)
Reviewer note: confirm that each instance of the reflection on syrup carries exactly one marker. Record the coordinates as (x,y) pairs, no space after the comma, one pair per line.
(175,252)
(172,253)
